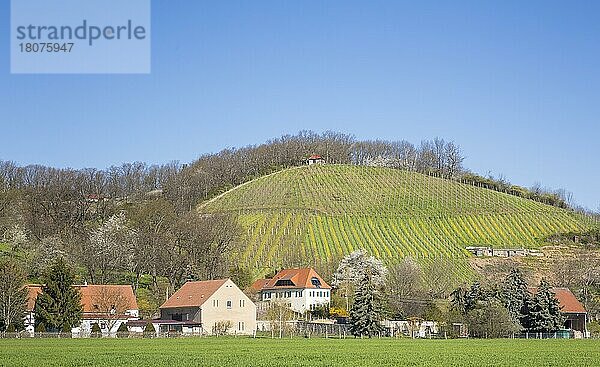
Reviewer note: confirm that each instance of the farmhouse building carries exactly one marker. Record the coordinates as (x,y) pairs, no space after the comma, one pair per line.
(300,289)
(207,307)
(106,305)
(573,311)
(315,159)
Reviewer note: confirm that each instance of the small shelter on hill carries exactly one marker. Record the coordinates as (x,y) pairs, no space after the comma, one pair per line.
(315,159)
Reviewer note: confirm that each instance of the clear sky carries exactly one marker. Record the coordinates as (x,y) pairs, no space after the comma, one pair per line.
(515,83)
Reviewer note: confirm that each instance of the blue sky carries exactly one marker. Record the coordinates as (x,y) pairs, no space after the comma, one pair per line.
(515,83)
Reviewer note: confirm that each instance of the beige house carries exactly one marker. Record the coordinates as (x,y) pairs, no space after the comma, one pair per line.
(208,307)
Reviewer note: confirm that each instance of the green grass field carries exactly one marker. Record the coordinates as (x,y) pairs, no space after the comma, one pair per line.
(297,352)
(316,215)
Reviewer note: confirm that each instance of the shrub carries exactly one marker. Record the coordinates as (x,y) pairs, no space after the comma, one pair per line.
(221,327)
(96,331)
(594,328)
(491,320)
(123,328)
(40,328)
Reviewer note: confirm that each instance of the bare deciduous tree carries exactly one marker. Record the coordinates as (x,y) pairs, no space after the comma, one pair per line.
(13,295)
(407,293)
(109,305)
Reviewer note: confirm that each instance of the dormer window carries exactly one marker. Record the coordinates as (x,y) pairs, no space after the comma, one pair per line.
(284,283)
(316,282)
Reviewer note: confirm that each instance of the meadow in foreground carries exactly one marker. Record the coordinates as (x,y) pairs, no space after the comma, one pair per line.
(297,352)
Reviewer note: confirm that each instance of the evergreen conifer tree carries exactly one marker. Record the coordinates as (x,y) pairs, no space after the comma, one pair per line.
(58,306)
(458,300)
(544,310)
(367,311)
(515,295)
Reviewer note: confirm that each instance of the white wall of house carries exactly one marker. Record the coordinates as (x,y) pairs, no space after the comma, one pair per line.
(86,323)
(316,297)
(299,300)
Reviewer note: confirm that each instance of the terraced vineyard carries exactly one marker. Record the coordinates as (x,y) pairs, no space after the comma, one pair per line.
(315,215)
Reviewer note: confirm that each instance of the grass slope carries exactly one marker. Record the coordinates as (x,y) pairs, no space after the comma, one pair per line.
(224,352)
(315,215)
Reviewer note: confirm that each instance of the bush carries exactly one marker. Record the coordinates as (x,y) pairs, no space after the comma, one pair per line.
(96,331)
(491,320)
(594,328)
(40,328)
(149,328)
(222,327)
(338,312)
(123,328)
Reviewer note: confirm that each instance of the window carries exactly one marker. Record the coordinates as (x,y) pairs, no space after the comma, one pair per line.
(242,303)
(284,283)
(229,304)
(241,326)
(215,303)
(316,282)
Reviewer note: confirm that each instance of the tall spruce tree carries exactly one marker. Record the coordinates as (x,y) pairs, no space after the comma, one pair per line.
(58,307)
(515,295)
(367,311)
(543,310)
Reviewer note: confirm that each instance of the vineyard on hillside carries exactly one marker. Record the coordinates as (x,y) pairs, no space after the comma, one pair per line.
(316,215)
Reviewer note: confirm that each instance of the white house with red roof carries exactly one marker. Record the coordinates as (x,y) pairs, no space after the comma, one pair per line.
(106,305)
(301,289)
(204,307)
(315,159)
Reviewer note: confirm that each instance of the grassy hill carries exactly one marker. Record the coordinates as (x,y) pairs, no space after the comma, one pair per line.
(315,215)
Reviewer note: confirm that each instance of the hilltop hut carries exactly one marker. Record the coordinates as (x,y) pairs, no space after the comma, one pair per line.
(315,159)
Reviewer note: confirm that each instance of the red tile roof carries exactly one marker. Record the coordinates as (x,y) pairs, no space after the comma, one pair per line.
(259,284)
(567,300)
(90,295)
(315,156)
(193,294)
(301,278)
(32,292)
